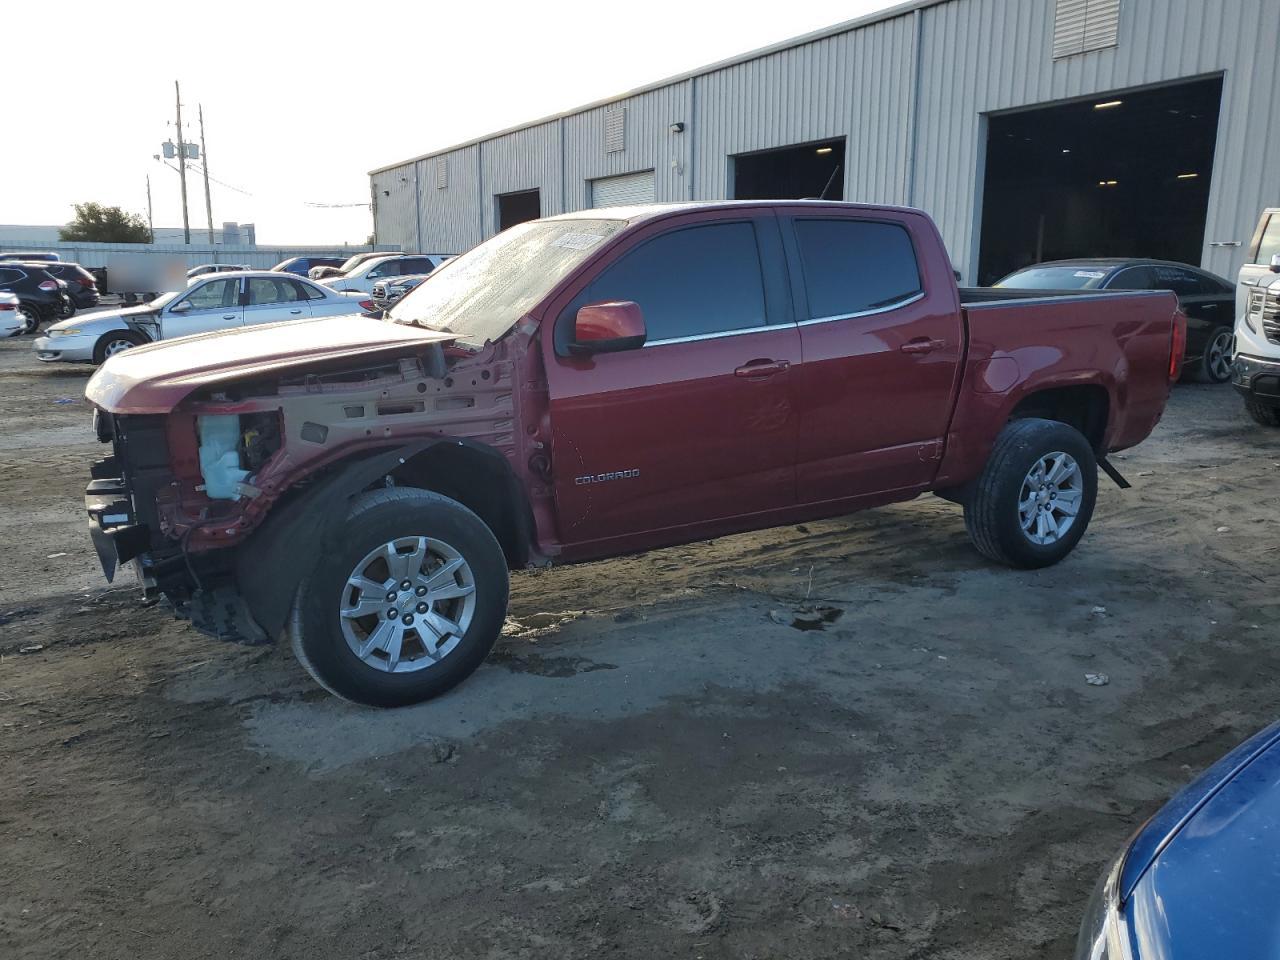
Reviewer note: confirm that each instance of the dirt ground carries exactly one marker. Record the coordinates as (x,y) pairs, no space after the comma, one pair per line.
(650,764)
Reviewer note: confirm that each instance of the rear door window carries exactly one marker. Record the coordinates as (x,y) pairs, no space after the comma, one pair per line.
(1133,278)
(856,266)
(418,265)
(693,282)
(307,291)
(263,290)
(10,275)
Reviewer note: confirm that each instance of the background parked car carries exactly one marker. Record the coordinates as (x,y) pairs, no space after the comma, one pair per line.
(205,268)
(41,296)
(363,277)
(31,255)
(210,303)
(82,286)
(1207,299)
(302,265)
(11,321)
(387,292)
(353,261)
(1200,878)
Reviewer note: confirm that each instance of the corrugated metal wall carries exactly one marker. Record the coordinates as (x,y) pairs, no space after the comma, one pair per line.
(258,257)
(967,58)
(984,56)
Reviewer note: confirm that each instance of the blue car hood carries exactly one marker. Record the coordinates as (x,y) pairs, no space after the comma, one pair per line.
(1202,879)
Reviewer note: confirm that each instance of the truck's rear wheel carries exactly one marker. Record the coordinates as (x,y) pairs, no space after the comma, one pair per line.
(1262,414)
(1035,497)
(408,606)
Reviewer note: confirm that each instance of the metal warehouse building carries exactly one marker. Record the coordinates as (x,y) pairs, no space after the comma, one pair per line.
(1029,129)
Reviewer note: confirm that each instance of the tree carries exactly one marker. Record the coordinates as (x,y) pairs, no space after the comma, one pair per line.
(95,223)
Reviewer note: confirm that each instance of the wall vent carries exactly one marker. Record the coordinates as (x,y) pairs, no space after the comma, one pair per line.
(1083,25)
(615,129)
(442,172)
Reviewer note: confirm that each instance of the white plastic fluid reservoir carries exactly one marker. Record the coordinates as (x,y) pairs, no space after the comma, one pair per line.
(220,456)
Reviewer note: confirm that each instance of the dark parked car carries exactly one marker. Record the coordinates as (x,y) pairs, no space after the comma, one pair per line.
(30,255)
(1200,879)
(1206,299)
(300,265)
(82,286)
(41,296)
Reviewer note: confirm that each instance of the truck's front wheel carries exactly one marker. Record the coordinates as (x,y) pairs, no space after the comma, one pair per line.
(407,606)
(1035,497)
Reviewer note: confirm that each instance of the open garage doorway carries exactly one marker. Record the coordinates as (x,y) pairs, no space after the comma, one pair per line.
(516,208)
(1124,174)
(812,171)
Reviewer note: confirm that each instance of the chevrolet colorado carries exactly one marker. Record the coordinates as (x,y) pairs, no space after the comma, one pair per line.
(600,383)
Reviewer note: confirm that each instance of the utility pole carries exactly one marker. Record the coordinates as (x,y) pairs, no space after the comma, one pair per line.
(204,165)
(151,224)
(182,166)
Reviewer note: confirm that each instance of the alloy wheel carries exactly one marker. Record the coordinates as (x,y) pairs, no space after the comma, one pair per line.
(1219,356)
(1050,498)
(407,604)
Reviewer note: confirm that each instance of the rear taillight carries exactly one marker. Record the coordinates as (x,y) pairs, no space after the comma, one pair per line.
(48,286)
(87,283)
(8,306)
(1177,345)
(366,304)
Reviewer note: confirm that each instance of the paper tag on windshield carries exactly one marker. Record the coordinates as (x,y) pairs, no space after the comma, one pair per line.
(1090,274)
(577,241)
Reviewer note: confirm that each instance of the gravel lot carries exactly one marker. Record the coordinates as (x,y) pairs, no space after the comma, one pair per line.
(650,765)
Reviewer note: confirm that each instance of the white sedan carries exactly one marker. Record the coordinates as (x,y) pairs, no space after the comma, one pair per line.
(215,302)
(362,278)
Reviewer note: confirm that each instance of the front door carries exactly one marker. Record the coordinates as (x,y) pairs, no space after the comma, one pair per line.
(212,304)
(881,338)
(272,299)
(698,424)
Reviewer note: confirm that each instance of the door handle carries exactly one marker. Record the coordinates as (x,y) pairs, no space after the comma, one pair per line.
(295,311)
(228,316)
(922,346)
(759,369)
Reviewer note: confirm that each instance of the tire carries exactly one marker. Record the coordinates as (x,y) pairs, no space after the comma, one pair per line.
(424,527)
(1215,365)
(116,341)
(30,317)
(1264,415)
(995,512)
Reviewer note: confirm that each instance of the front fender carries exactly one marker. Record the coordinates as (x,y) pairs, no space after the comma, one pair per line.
(282,551)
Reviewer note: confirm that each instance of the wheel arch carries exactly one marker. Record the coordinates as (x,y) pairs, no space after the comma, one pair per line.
(267,571)
(1084,406)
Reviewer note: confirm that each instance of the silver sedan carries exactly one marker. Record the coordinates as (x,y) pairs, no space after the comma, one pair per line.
(217,302)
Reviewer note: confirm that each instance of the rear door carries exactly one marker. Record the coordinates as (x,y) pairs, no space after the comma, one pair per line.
(699,423)
(272,299)
(1265,245)
(212,304)
(881,340)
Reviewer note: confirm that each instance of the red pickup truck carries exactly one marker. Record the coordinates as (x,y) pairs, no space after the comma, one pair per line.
(595,384)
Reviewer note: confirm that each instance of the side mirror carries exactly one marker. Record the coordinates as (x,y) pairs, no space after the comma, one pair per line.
(1275,263)
(608,328)
(182,307)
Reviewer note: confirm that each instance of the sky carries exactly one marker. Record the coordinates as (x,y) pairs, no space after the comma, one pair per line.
(302,100)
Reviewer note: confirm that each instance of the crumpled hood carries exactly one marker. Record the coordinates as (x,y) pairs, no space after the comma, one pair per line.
(103,320)
(155,378)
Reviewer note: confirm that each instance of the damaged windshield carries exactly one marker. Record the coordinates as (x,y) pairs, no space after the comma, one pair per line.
(480,295)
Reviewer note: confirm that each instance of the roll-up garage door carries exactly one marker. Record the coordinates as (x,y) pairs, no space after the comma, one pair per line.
(623,191)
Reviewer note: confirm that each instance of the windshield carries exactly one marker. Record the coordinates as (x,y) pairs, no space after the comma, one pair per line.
(1071,277)
(351,262)
(480,295)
